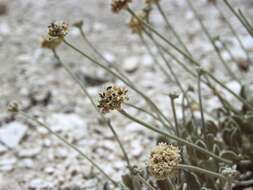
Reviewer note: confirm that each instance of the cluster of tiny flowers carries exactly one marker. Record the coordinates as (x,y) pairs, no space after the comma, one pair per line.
(163,161)
(56,33)
(112,99)
(135,24)
(13,107)
(151,1)
(50,42)
(58,29)
(118,5)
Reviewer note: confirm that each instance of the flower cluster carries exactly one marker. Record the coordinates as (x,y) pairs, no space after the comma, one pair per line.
(118,5)
(58,29)
(135,24)
(13,107)
(151,1)
(112,99)
(56,33)
(163,161)
(50,42)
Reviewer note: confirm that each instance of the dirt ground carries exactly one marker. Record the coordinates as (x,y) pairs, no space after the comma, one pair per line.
(30,75)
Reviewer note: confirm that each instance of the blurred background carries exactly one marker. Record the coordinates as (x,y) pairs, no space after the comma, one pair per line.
(32,159)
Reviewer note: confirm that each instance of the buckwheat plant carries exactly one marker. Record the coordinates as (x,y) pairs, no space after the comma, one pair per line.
(190,153)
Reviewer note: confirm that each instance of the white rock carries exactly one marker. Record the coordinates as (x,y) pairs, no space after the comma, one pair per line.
(11,134)
(147,60)
(6,164)
(109,57)
(29,152)
(2,149)
(133,127)
(6,183)
(131,64)
(66,122)
(27,163)
(40,184)
(4,29)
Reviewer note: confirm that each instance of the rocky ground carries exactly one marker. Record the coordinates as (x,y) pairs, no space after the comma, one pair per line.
(30,158)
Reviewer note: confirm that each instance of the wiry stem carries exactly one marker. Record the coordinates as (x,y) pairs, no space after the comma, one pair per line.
(150,187)
(170,26)
(154,58)
(70,145)
(201,107)
(187,143)
(150,114)
(201,170)
(229,90)
(233,31)
(172,102)
(240,18)
(215,47)
(171,44)
(100,54)
(146,98)
(86,93)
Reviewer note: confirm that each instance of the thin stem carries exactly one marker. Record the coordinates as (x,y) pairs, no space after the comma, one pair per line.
(147,99)
(230,91)
(215,47)
(86,93)
(154,58)
(164,39)
(170,69)
(246,22)
(100,54)
(201,170)
(145,182)
(23,114)
(232,30)
(250,31)
(150,114)
(170,26)
(203,125)
(187,143)
(172,102)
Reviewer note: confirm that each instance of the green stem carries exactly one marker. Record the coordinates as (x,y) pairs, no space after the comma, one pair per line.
(229,90)
(86,93)
(147,99)
(172,102)
(154,58)
(215,47)
(70,145)
(145,182)
(170,26)
(171,70)
(163,38)
(150,114)
(250,30)
(201,170)
(100,54)
(233,31)
(201,107)
(187,143)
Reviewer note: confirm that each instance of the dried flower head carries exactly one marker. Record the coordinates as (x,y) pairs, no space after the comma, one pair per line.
(163,161)
(212,1)
(51,42)
(58,29)
(112,99)
(151,1)
(13,107)
(118,5)
(135,24)
(78,24)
